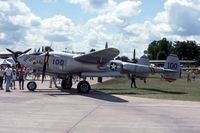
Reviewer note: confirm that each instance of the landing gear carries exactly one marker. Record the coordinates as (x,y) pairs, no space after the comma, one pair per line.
(66,83)
(31,86)
(83,87)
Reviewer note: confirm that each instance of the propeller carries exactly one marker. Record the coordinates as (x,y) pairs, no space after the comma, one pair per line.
(42,48)
(38,50)
(26,51)
(17,53)
(106,45)
(134,59)
(46,59)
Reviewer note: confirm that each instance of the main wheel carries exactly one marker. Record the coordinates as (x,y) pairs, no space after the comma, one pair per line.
(66,84)
(31,86)
(83,87)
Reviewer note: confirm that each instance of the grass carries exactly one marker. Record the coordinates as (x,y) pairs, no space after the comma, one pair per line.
(154,88)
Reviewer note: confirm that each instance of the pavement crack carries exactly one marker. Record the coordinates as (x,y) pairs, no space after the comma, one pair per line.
(84,117)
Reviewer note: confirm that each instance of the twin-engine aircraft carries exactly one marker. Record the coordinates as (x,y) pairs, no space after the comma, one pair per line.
(95,64)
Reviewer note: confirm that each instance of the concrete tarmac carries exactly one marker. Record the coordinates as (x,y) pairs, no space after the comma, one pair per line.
(54,111)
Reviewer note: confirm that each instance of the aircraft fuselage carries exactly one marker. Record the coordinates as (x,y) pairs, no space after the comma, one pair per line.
(62,63)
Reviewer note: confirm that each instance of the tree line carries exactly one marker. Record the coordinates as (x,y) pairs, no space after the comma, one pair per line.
(185,50)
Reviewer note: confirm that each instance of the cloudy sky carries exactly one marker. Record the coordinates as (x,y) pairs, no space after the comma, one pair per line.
(80,25)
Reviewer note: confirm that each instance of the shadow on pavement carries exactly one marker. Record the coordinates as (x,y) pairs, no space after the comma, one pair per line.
(93,94)
(162,91)
(104,96)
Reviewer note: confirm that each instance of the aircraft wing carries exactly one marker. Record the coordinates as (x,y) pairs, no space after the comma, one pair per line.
(101,56)
(161,62)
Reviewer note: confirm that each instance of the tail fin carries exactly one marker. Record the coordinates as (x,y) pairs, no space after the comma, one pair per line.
(143,61)
(172,63)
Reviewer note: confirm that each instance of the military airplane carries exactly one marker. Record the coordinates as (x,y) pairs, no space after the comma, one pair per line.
(95,64)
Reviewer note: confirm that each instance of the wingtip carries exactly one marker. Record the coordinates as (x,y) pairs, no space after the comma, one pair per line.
(115,50)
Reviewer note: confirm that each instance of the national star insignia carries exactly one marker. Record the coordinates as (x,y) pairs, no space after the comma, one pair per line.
(113,66)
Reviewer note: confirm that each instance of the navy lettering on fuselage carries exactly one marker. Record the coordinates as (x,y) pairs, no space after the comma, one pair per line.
(58,62)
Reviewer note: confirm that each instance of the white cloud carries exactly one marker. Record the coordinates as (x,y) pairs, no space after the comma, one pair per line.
(4,6)
(128,8)
(90,5)
(2,36)
(178,21)
(113,23)
(109,23)
(58,29)
(183,16)
(15,21)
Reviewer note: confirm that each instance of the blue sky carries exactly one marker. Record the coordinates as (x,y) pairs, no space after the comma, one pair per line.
(49,9)
(80,25)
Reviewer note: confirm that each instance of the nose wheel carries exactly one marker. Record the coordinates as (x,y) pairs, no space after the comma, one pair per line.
(31,86)
(83,87)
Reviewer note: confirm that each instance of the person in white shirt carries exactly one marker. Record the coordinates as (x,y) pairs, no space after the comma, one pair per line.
(8,77)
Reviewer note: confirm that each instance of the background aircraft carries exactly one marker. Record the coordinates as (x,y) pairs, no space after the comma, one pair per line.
(95,64)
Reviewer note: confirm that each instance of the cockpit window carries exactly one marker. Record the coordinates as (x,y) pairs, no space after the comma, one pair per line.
(36,53)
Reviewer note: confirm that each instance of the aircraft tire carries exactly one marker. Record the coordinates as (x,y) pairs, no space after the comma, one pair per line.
(66,85)
(31,86)
(83,87)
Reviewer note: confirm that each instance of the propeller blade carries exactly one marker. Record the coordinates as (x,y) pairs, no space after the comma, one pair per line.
(42,48)
(38,50)
(46,59)
(26,51)
(14,54)
(10,51)
(106,46)
(134,54)
(134,59)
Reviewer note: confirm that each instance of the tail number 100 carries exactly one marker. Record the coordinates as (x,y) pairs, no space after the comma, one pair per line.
(172,66)
(58,62)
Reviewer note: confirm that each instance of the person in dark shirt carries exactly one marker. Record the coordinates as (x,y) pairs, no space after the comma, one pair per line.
(133,79)
(21,74)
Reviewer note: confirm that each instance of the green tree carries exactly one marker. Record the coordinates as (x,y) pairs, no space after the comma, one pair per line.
(159,50)
(188,50)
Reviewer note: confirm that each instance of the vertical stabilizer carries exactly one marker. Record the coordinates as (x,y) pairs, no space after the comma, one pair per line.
(143,61)
(172,63)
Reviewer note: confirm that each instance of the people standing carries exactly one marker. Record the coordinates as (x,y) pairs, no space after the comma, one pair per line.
(53,79)
(21,74)
(1,77)
(14,77)
(189,76)
(133,78)
(193,75)
(8,77)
